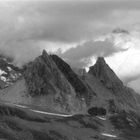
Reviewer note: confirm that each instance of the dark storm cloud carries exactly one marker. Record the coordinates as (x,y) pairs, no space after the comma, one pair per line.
(62,21)
(71,21)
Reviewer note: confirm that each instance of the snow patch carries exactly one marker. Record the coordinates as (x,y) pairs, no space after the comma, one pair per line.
(101,118)
(9,68)
(109,135)
(3,78)
(48,113)
(21,106)
(2,72)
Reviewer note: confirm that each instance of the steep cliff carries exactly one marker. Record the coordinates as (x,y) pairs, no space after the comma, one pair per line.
(81,88)
(109,79)
(43,78)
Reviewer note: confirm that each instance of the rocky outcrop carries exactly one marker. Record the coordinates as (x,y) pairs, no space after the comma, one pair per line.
(73,78)
(105,74)
(43,78)
(110,80)
(81,89)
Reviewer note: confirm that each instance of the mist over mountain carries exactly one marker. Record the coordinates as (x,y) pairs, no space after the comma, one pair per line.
(120,46)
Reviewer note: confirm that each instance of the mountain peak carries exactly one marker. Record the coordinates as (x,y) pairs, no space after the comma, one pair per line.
(105,74)
(47,59)
(45,54)
(109,79)
(101,60)
(44,78)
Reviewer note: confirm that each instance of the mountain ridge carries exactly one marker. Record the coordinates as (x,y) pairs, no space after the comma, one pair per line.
(48,84)
(110,80)
(50,81)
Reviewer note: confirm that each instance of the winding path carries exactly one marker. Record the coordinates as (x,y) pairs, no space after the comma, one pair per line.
(38,111)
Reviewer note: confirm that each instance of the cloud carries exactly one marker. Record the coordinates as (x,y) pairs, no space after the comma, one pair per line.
(21,52)
(126,64)
(135,85)
(27,27)
(80,56)
(68,22)
(75,21)
(121,51)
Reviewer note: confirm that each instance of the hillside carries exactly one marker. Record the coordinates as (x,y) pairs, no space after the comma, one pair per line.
(50,101)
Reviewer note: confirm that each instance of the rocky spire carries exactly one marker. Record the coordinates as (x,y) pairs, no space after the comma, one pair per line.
(45,54)
(79,86)
(105,74)
(110,80)
(44,78)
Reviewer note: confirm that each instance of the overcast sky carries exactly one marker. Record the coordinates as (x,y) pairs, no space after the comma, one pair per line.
(78,31)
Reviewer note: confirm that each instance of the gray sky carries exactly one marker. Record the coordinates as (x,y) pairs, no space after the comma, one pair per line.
(70,29)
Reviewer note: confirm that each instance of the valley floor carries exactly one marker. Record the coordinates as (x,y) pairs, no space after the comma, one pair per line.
(19,122)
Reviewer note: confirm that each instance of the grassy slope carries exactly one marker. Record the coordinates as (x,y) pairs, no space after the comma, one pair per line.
(17,124)
(21,124)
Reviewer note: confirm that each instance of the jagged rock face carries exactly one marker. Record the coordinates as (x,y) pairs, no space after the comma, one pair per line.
(110,80)
(82,90)
(105,74)
(43,78)
(77,84)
